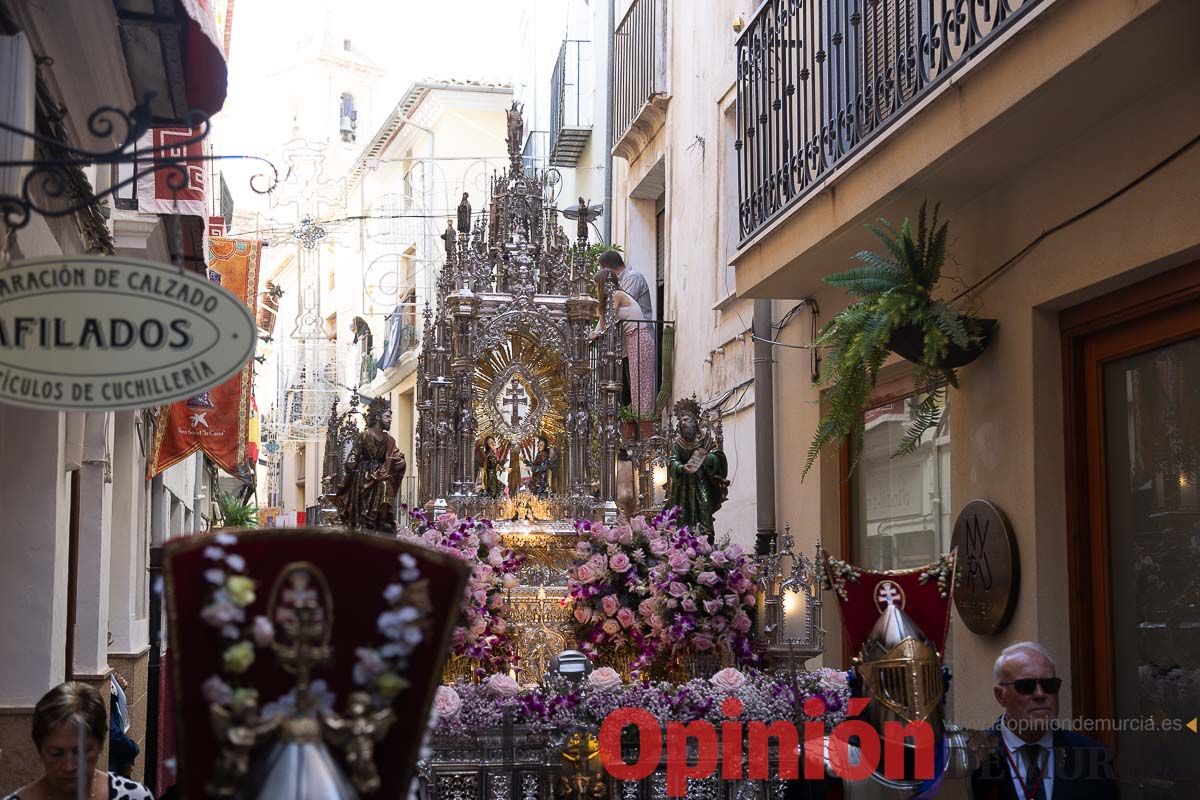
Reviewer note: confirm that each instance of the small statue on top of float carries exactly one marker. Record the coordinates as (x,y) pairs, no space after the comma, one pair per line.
(492,458)
(374,469)
(543,460)
(697,469)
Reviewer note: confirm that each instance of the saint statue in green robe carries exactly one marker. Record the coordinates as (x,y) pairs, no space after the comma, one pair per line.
(697,470)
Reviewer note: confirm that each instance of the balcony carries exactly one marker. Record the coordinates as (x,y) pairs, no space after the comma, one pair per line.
(571,97)
(817,83)
(640,84)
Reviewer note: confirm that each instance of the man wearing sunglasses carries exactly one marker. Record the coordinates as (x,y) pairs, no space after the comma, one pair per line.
(1037,759)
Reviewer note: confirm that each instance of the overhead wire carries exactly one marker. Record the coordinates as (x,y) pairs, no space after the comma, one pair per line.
(1041,237)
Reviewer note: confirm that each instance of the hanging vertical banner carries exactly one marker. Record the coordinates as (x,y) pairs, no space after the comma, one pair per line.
(216,422)
(156,190)
(253,435)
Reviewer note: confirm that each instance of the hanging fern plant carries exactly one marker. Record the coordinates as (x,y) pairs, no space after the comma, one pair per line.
(233,513)
(894,312)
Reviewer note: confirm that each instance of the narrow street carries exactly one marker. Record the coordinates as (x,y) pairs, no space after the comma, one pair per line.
(454,400)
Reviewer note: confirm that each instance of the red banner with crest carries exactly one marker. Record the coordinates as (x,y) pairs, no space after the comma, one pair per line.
(923,593)
(217,421)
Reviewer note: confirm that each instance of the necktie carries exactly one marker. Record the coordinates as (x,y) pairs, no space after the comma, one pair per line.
(1035,787)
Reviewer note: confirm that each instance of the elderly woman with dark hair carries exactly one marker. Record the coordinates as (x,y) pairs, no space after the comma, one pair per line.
(60,717)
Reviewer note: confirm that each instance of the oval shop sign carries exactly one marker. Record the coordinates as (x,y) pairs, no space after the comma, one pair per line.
(103,333)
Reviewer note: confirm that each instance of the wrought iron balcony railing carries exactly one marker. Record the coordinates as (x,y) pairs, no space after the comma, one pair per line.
(818,81)
(570,103)
(639,76)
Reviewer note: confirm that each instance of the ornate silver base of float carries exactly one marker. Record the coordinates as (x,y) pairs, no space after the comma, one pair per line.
(513,764)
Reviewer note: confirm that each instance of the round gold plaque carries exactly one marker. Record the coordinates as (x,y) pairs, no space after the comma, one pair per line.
(989,570)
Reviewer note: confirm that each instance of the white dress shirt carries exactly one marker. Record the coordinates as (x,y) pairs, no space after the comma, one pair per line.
(1013,745)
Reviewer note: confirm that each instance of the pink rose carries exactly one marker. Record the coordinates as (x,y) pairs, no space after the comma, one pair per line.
(583,614)
(499,625)
(749,600)
(478,626)
(503,685)
(483,573)
(495,556)
(610,604)
(702,642)
(679,562)
(446,702)
(734,551)
(611,627)
(834,679)
(732,600)
(489,538)
(719,558)
(647,608)
(511,581)
(718,624)
(625,534)
(619,563)
(583,548)
(603,679)
(637,524)
(708,578)
(713,606)
(677,589)
(741,622)
(584,573)
(625,617)
(728,680)
(689,605)
(659,546)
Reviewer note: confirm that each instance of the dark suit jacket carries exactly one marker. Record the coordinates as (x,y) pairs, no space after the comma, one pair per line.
(1083,770)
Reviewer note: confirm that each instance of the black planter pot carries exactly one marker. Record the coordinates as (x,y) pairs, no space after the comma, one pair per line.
(908,342)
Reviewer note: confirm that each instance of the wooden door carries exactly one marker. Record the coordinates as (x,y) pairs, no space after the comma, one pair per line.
(1133,404)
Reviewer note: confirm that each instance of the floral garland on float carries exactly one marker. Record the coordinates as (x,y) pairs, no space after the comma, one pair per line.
(483,638)
(701,592)
(559,708)
(650,592)
(609,587)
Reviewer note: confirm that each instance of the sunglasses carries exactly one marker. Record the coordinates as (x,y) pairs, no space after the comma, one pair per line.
(1027,685)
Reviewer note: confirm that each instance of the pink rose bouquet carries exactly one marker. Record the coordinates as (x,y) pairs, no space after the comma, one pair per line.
(609,586)
(483,633)
(702,594)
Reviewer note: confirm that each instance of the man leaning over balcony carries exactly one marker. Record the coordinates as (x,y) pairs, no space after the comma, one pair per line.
(632,283)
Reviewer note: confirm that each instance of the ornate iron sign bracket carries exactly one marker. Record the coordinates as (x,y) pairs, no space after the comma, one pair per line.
(51,178)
